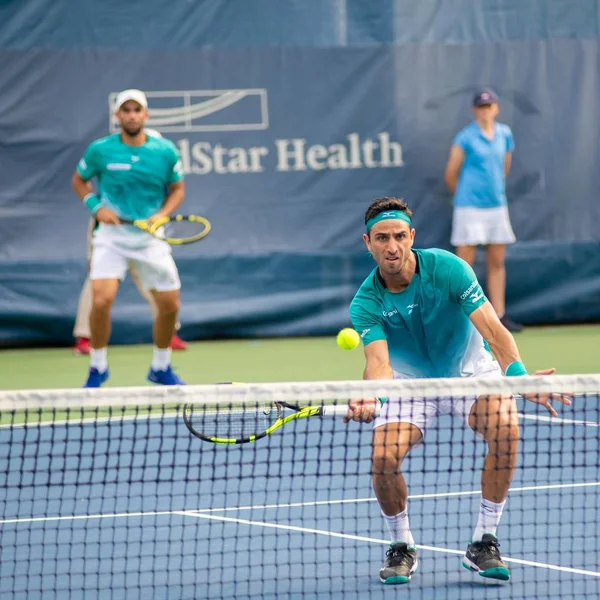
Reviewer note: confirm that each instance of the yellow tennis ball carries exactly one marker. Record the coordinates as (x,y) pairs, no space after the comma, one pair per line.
(348,339)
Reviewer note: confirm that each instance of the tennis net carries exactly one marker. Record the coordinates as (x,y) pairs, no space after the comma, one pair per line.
(108,494)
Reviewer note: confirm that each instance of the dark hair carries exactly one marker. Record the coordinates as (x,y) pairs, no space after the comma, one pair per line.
(380,205)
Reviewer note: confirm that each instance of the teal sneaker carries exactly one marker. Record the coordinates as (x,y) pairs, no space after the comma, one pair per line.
(400,563)
(484,558)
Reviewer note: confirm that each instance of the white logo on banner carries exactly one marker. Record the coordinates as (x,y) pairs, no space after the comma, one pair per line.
(241,110)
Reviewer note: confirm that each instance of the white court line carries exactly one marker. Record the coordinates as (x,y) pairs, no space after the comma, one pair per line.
(92,420)
(359,538)
(554,486)
(265,506)
(200,515)
(85,517)
(558,420)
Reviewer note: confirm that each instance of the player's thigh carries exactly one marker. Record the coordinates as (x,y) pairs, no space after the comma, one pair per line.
(495,417)
(463,407)
(401,415)
(104,292)
(156,268)
(391,443)
(108,261)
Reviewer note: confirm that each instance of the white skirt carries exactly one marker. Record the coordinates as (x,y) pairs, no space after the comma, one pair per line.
(481,226)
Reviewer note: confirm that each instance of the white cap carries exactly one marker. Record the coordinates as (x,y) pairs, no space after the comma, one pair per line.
(136,95)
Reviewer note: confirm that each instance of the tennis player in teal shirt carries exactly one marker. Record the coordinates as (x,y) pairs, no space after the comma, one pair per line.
(422,313)
(138,177)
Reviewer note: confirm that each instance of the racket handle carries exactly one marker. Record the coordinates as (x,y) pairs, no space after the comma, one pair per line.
(338,410)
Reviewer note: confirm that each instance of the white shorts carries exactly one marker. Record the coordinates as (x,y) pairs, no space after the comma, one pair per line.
(115,247)
(421,412)
(481,226)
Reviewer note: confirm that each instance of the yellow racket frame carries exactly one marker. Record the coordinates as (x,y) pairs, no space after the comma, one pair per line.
(153,228)
(302,413)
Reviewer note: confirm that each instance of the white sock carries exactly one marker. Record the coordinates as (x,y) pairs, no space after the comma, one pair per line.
(489,517)
(399,528)
(161,359)
(98,359)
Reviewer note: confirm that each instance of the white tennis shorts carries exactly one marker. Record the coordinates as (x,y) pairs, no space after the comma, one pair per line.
(481,226)
(115,247)
(422,412)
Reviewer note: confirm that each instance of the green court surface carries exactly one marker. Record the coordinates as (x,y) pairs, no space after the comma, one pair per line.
(570,349)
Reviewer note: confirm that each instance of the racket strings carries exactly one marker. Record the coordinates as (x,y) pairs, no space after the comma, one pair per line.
(182,229)
(233,421)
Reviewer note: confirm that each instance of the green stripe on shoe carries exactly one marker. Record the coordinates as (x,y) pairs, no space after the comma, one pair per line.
(501,573)
(397,579)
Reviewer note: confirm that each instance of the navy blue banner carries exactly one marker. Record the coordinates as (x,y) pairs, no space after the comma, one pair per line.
(283,149)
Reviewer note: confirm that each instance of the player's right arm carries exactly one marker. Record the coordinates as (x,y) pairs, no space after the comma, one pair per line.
(87,168)
(377,361)
(365,316)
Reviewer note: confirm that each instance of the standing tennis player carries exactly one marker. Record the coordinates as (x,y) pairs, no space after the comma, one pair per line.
(422,313)
(139,177)
(81,330)
(479,162)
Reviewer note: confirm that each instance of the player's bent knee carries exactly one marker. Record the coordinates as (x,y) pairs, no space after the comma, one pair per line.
(497,418)
(387,458)
(386,463)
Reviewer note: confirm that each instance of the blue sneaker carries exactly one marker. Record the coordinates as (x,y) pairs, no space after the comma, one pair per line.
(166,377)
(96,378)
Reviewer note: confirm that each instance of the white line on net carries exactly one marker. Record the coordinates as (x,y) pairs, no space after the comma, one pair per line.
(315,392)
(172,415)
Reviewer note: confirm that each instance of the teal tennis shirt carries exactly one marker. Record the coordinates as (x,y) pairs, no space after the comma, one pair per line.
(132,180)
(427,326)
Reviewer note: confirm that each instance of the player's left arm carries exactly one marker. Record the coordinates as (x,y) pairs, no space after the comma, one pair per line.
(466,291)
(510,147)
(500,340)
(503,346)
(173,200)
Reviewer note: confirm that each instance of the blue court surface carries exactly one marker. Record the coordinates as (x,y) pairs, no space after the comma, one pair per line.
(138,508)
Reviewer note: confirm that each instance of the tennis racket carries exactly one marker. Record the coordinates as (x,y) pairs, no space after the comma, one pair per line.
(239,424)
(176,229)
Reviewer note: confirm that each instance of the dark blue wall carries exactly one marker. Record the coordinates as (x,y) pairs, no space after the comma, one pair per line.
(338,102)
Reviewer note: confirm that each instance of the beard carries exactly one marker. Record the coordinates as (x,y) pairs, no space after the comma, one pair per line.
(132,131)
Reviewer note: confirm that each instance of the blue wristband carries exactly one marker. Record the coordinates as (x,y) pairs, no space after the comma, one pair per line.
(516,369)
(93,203)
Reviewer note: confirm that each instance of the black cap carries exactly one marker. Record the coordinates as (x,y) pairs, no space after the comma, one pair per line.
(485,96)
